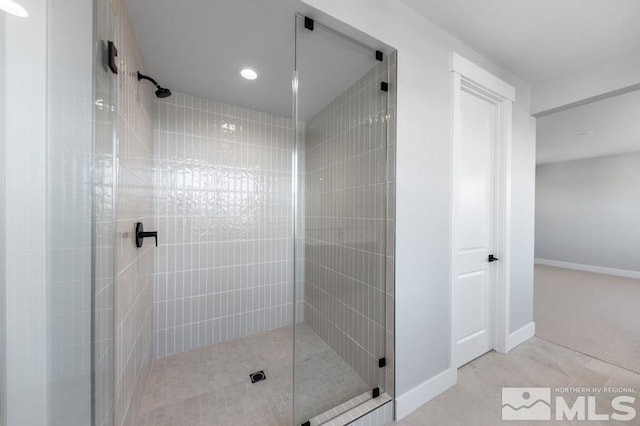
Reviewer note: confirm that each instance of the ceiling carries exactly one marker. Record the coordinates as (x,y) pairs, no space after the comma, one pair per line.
(198,47)
(606,127)
(538,40)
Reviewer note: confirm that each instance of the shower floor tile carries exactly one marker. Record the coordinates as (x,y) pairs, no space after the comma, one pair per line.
(211,386)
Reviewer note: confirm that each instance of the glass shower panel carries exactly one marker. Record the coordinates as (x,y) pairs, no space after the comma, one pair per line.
(104,217)
(341,200)
(69,155)
(46,298)
(24,269)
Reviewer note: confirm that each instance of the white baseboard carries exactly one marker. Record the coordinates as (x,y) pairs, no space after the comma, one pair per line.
(411,400)
(520,336)
(589,268)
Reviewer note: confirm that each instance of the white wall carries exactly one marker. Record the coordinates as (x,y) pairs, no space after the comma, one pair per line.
(3,319)
(424,190)
(587,211)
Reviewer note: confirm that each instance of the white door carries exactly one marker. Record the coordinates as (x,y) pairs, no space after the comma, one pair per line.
(473,285)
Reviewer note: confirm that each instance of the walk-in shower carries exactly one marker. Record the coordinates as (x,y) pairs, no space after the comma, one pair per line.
(267,296)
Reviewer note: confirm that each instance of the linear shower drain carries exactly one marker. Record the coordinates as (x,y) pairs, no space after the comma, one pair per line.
(258,376)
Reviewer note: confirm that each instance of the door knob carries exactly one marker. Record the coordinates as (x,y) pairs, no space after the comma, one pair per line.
(492,258)
(141,235)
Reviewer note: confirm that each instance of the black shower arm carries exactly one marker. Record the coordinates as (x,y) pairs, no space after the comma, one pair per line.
(145,77)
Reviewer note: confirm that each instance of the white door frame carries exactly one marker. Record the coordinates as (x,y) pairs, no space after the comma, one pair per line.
(471,78)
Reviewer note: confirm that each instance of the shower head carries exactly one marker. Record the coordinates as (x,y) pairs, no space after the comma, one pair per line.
(162,92)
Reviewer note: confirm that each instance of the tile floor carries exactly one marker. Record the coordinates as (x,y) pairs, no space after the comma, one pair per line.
(323,379)
(477,400)
(211,386)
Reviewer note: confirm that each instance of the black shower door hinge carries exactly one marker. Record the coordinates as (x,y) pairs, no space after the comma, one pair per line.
(308,23)
(382,362)
(376,392)
(384,86)
(112,53)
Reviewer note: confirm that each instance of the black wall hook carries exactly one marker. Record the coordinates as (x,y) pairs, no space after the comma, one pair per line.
(141,235)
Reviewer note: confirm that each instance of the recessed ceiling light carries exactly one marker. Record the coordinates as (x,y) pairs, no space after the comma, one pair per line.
(13,8)
(249,73)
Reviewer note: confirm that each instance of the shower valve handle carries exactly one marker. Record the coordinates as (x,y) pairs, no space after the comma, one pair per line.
(141,235)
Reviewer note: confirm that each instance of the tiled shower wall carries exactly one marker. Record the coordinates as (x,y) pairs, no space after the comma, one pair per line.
(134,266)
(223,190)
(345,247)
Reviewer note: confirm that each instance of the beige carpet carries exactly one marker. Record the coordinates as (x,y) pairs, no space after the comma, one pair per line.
(476,399)
(598,315)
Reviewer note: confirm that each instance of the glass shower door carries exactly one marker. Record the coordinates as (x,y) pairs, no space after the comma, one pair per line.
(341,94)
(46,210)
(104,217)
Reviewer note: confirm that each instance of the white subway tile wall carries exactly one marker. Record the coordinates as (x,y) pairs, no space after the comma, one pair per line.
(133,266)
(223,205)
(345,223)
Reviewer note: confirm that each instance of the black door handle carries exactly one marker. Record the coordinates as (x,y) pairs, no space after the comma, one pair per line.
(141,235)
(492,258)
